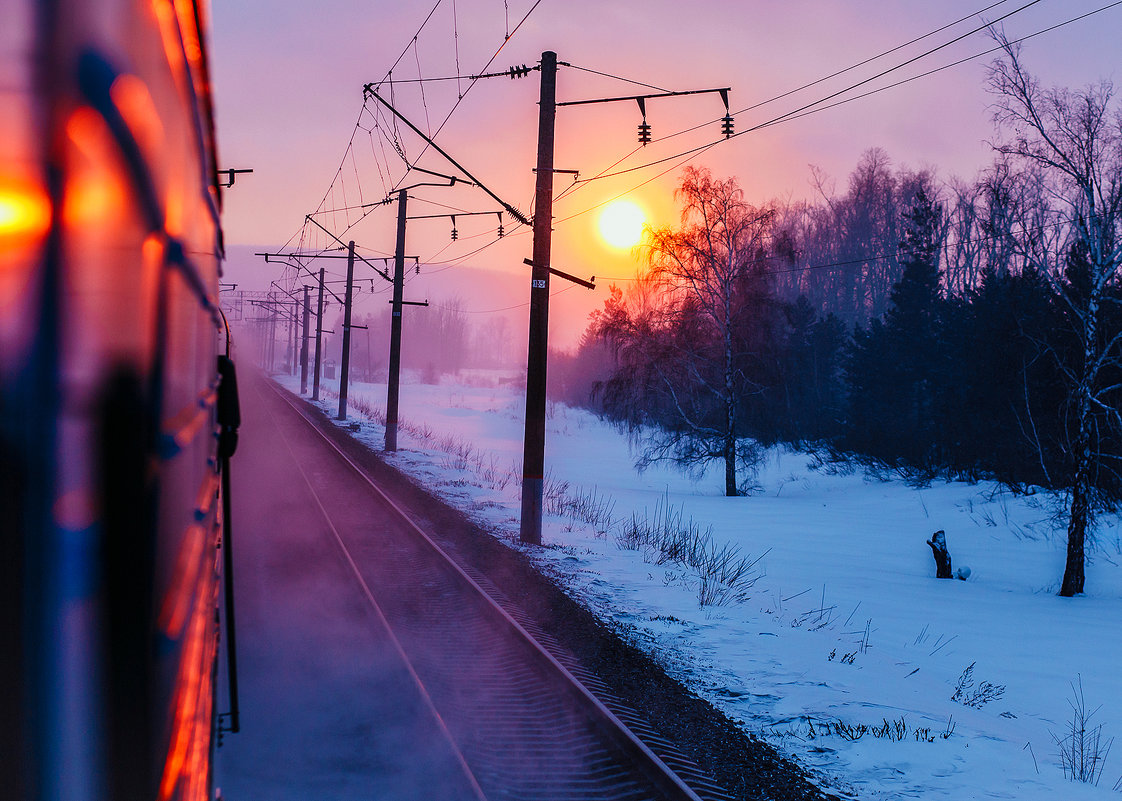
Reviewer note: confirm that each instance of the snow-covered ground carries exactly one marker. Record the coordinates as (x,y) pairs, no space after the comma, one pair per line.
(846,651)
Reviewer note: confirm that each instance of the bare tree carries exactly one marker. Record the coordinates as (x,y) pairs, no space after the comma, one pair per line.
(857,232)
(705,269)
(963,260)
(1075,140)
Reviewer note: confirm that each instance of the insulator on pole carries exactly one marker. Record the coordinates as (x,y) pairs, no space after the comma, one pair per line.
(500,215)
(644,128)
(455,234)
(644,133)
(726,121)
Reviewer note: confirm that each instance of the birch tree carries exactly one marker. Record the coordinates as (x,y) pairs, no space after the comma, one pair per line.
(1075,139)
(692,345)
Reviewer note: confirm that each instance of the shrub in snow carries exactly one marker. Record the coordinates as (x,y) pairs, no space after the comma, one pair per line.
(723,574)
(891,730)
(1083,751)
(967,694)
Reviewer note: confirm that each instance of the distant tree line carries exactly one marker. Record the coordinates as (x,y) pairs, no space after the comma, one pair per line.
(437,340)
(972,381)
(969,330)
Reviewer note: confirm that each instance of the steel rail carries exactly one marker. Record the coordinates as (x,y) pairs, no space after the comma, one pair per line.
(647,762)
(473,783)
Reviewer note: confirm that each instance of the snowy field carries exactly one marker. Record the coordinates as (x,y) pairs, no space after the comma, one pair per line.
(845,651)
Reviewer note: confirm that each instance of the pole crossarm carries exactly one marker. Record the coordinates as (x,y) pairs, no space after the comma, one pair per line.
(282,289)
(308,217)
(424,183)
(511,210)
(450,214)
(324,255)
(276,308)
(298,267)
(451,179)
(591,284)
(231,175)
(723,92)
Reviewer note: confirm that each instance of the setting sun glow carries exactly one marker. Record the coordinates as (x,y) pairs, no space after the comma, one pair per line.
(621,224)
(24,210)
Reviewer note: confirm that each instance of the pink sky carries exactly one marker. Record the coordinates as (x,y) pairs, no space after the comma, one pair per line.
(289,80)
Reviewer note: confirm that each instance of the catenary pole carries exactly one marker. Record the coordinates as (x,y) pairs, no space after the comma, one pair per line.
(345,359)
(295,334)
(272,331)
(304,342)
(319,339)
(533,460)
(394,379)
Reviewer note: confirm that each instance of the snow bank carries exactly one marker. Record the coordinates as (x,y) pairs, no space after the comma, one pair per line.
(845,651)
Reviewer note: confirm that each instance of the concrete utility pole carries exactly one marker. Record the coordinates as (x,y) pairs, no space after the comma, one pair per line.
(533,459)
(272,331)
(304,343)
(394,379)
(345,360)
(319,339)
(295,333)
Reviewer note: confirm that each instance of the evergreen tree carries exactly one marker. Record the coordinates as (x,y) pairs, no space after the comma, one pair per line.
(897,368)
(996,417)
(811,383)
(913,324)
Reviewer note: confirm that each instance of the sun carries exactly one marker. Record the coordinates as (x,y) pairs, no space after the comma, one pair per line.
(621,224)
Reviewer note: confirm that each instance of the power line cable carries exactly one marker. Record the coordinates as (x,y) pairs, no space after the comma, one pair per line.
(885,256)
(626,80)
(396,142)
(573,187)
(425,22)
(871,59)
(455,106)
(456,42)
(804,108)
(959,61)
(804,111)
(424,102)
(552,295)
(474,81)
(694,152)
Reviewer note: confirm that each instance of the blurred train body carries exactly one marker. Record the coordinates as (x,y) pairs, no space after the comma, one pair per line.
(110,508)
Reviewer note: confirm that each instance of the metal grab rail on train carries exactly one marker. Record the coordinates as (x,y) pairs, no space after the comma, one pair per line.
(229,419)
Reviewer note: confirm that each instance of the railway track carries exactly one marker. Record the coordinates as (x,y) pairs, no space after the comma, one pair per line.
(525,720)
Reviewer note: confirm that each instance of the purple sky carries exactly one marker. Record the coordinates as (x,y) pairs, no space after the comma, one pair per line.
(288,82)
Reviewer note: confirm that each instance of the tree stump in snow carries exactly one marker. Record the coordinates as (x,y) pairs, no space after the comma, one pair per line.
(938,543)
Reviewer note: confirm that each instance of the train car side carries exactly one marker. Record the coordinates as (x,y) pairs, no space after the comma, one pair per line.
(110,249)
